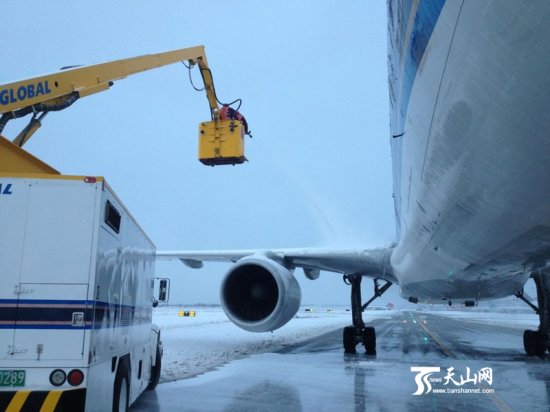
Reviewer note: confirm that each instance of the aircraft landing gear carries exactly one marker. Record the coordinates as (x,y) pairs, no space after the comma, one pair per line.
(536,342)
(358,332)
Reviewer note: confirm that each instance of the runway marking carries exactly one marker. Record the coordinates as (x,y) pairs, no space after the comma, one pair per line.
(444,348)
(500,404)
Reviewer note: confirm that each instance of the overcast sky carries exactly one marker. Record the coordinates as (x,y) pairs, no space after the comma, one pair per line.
(313,79)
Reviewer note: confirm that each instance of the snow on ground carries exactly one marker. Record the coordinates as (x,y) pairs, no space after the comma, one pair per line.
(194,345)
(320,377)
(514,318)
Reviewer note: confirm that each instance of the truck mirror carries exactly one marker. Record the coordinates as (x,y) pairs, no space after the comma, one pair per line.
(164,287)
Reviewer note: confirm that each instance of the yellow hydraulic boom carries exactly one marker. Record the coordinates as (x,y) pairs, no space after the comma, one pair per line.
(221,140)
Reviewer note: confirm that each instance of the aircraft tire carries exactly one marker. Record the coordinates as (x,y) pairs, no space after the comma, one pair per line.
(349,339)
(369,340)
(527,342)
(534,343)
(538,344)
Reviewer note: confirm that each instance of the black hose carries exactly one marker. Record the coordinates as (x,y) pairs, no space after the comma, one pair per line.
(37,108)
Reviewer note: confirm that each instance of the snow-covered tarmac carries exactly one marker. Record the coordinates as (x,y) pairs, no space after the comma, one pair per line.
(302,367)
(194,345)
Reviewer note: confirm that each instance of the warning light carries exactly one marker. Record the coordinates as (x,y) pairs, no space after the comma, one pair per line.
(75,377)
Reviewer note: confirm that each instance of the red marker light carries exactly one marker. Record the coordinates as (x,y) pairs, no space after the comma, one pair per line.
(90,179)
(75,377)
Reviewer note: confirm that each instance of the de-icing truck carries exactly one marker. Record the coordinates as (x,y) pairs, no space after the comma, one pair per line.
(77,271)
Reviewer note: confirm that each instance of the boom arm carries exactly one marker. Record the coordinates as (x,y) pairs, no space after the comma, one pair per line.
(59,90)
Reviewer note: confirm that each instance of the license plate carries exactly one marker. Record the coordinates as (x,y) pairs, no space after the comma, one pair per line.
(12,378)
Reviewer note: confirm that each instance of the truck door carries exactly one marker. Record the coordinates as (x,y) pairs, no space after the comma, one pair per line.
(52,311)
(14,194)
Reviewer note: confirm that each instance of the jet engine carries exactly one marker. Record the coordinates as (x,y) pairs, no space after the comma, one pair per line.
(260,295)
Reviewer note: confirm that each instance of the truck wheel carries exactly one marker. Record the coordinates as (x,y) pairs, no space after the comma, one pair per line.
(121,390)
(155,372)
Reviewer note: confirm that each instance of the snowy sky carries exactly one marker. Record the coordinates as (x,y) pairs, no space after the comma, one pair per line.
(313,79)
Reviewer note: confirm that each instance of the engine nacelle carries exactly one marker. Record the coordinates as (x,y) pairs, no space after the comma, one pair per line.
(260,295)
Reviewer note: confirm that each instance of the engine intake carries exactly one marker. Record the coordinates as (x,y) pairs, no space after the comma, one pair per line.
(260,295)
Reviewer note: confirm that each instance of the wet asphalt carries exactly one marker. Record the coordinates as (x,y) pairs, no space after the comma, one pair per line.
(475,365)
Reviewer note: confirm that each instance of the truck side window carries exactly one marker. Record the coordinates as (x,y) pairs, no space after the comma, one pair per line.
(112,217)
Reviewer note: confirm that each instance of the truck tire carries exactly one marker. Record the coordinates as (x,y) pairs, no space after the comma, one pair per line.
(121,393)
(155,372)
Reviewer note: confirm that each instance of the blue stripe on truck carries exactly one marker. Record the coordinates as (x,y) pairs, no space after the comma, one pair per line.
(69,314)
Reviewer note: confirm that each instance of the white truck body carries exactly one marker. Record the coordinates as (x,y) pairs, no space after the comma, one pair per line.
(77,280)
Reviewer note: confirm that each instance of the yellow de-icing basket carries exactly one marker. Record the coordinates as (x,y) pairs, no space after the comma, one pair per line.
(221,143)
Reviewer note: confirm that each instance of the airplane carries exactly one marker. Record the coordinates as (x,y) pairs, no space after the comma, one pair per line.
(470,142)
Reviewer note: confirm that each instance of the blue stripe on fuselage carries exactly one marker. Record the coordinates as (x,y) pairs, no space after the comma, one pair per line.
(427,13)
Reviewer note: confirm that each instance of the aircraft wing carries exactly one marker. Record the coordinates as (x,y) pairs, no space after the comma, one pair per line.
(372,262)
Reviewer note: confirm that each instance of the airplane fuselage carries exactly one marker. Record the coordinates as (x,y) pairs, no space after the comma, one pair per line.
(470,93)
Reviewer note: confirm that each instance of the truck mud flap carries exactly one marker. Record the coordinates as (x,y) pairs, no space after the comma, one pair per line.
(51,401)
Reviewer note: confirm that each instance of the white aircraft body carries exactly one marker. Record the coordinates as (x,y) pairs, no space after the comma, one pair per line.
(470,139)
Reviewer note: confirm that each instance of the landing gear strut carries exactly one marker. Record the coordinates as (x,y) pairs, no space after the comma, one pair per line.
(536,342)
(359,333)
